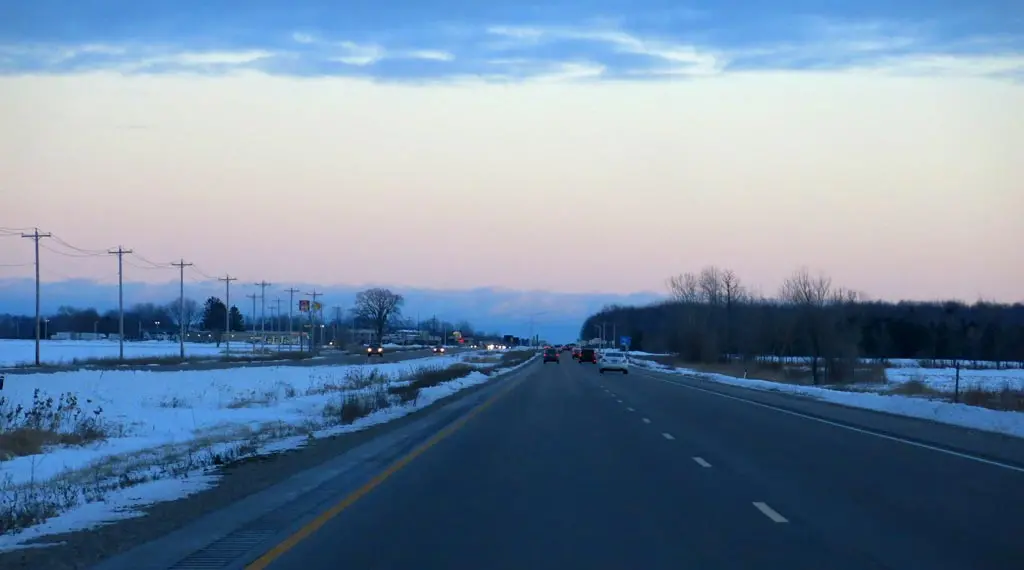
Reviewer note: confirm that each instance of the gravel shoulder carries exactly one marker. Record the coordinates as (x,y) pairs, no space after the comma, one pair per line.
(84,549)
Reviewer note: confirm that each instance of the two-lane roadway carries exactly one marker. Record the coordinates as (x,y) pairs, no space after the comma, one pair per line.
(572,469)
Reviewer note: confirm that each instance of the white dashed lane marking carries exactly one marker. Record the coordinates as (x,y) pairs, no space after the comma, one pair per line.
(630,410)
(700,461)
(647,421)
(770,512)
(667,435)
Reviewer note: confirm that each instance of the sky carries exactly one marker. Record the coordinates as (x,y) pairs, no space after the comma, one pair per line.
(592,147)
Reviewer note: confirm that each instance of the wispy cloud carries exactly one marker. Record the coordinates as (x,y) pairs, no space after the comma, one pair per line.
(549,43)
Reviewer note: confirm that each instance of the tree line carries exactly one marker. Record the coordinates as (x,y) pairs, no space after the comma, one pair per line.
(377,309)
(712,316)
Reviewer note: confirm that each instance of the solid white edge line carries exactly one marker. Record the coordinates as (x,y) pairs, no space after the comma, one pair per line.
(647,421)
(666,435)
(770,512)
(700,461)
(847,427)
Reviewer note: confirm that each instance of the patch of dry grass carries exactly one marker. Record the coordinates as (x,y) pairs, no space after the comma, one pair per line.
(916,386)
(46,422)
(489,359)
(1006,398)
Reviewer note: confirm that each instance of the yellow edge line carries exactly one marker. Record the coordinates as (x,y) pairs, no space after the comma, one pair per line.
(323,518)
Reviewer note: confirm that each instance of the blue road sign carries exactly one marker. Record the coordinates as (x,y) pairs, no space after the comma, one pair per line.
(624,341)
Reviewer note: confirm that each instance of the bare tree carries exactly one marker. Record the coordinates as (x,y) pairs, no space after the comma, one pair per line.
(733,292)
(710,285)
(378,306)
(189,312)
(685,288)
(810,295)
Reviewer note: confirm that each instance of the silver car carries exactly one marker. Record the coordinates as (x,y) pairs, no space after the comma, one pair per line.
(616,360)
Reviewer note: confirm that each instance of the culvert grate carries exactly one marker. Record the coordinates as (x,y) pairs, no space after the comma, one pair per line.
(224,551)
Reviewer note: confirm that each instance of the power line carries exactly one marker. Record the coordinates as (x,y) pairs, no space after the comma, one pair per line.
(120,253)
(181,265)
(36,236)
(66,254)
(205,274)
(154,264)
(64,243)
(14,232)
(144,267)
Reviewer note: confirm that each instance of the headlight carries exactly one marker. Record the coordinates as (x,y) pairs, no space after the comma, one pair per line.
(380,349)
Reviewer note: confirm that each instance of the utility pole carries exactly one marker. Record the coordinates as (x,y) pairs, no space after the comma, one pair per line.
(36,236)
(312,319)
(291,307)
(181,265)
(119,252)
(337,324)
(227,279)
(253,296)
(277,301)
(263,305)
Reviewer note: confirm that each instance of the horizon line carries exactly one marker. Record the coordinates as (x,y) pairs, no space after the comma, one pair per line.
(5,280)
(661,297)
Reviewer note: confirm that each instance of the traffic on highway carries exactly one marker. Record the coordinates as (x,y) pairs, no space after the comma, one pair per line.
(572,465)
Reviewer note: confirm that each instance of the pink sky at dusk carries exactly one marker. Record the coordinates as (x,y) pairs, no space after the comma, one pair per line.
(899,187)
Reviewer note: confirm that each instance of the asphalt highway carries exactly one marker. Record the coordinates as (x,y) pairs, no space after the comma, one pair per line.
(573,469)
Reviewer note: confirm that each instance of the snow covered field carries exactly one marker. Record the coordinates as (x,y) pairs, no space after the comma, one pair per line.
(880,397)
(163,427)
(944,379)
(15,352)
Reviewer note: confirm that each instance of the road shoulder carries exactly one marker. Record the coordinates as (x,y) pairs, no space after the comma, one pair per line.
(991,446)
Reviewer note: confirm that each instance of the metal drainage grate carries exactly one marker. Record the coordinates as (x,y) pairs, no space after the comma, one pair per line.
(224,551)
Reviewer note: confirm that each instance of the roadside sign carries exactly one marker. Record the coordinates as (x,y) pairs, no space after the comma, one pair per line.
(2,378)
(304,306)
(317,306)
(624,341)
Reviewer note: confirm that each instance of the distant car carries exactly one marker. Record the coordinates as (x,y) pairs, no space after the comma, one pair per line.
(613,360)
(588,355)
(375,350)
(438,350)
(551,355)
(576,353)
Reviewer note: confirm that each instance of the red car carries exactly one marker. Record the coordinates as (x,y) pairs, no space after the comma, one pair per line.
(550,355)
(576,353)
